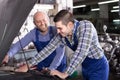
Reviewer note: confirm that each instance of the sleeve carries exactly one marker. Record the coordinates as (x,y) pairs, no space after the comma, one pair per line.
(84,41)
(52,45)
(20,44)
(58,58)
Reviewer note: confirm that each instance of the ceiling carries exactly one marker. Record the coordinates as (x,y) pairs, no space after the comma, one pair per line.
(87,2)
(98,16)
(93,3)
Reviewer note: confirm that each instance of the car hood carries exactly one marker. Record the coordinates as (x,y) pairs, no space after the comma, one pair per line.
(13,13)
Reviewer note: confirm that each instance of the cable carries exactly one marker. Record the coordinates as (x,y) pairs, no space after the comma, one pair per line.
(23,53)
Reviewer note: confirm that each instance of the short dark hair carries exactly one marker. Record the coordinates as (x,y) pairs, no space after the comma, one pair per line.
(65,16)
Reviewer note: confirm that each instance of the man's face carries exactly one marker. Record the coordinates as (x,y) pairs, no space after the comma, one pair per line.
(41,22)
(62,29)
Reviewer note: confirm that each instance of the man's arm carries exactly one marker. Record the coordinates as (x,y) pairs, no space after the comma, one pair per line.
(60,52)
(20,44)
(16,47)
(46,51)
(42,54)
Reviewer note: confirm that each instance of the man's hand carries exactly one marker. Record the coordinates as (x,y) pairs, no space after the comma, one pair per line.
(23,68)
(59,74)
(5,60)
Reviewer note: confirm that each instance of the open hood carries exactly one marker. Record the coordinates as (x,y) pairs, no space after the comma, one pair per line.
(13,13)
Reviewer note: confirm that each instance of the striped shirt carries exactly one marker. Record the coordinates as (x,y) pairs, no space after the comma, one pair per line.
(88,46)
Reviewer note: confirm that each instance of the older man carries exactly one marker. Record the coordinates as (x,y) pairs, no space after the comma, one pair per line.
(40,36)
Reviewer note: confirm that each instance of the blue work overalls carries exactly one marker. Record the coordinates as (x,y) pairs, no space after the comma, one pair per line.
(47,61)
(92,69)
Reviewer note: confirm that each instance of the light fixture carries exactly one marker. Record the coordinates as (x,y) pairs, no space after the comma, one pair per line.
(117,10)
(110,1)
(43,6)
(115,7)
(80,6)
(116,20)
(95,9)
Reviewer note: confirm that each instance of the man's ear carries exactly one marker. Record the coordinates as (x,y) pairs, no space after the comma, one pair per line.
(70,24)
